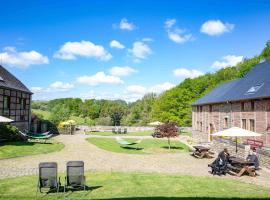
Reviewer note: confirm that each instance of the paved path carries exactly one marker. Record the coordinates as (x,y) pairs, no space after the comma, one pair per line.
(77,148)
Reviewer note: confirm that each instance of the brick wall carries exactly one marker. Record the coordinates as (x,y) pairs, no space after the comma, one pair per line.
(258,110)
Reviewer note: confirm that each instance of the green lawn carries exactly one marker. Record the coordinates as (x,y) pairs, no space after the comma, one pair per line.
(147,146)
(144,186)
(17,149)
(109,133)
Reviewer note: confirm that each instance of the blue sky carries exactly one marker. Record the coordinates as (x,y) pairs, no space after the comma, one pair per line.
(124,49)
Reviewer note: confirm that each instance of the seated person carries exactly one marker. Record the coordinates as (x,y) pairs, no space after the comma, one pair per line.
(224,155)
(219,166)
(252,157)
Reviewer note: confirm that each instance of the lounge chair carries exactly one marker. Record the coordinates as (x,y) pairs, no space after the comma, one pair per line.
(47,177)
(75,178)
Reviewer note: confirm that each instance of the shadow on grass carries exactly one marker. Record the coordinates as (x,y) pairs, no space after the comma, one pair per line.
(185,198)
(173,147)
(61,189)
(133,148)
(23,143)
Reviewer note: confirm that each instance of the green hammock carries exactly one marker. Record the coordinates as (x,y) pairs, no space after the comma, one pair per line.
(121,141)
(32,136)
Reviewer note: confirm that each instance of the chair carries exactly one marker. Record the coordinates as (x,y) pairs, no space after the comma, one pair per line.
(48,177)
(75,175)
(119,131)
(125,130)
(113,130)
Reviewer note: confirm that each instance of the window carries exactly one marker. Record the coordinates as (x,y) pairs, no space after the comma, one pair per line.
(252,125)
(6,105)
(252,105)
(1,78)
(242,106)
(254,89)
(23,103)
(244,124)
(210,109)
(226,125)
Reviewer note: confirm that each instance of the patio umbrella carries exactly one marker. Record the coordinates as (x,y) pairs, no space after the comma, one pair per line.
(5,120)
(236,132)
(155,123)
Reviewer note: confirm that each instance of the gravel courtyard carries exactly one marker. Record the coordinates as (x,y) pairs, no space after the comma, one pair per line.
(77,148)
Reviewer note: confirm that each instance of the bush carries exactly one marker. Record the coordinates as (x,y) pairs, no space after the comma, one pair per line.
(9,132)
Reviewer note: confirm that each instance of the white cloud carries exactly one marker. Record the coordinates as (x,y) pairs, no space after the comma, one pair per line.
(137,89)
(122,71)
(116,44)
(216,27)
(227,61)
(71,50)
(36,89)
(140,50)
(159,88)
(60,86)
(24,59)
(176,34)
(169,23)
(187,73)
(125,25)
(99,78)
(148,40)
(177,37)
(57,86)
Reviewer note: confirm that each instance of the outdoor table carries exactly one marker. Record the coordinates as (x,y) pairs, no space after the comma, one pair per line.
(201,152)
(241,166)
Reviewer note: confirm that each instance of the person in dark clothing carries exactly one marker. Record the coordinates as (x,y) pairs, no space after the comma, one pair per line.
(252,157)
(219,166)
(224,155)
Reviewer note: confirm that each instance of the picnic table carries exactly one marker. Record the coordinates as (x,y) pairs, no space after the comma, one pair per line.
(239,166)
(202,152)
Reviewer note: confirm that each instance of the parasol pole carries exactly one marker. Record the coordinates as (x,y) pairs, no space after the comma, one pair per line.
(236,146)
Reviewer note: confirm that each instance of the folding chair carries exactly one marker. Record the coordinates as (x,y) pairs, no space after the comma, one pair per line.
(48,177)
(75,178)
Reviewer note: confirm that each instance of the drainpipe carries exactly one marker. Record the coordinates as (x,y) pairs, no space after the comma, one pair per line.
(29,113)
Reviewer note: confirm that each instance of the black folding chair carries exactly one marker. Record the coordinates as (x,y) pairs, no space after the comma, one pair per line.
(48,177)
(75,178)
(119,131)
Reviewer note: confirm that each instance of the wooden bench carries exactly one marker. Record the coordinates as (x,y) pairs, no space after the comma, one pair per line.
(254,144)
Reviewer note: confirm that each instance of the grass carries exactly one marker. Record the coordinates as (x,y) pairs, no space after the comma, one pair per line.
(144,186)
(18,149)
(147,146)
(109,133)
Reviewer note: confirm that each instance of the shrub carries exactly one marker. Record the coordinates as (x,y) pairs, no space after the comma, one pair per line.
(9,132)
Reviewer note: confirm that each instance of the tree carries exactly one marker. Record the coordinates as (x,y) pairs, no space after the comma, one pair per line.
(266,51)
(168,130)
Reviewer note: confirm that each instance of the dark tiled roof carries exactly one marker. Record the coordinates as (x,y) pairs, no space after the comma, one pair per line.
(255,85)
(7,80)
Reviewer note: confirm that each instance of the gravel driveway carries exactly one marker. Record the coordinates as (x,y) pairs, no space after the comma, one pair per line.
(77,148)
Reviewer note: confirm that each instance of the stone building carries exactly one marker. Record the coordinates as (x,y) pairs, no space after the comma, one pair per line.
(15,100)
(244,103)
